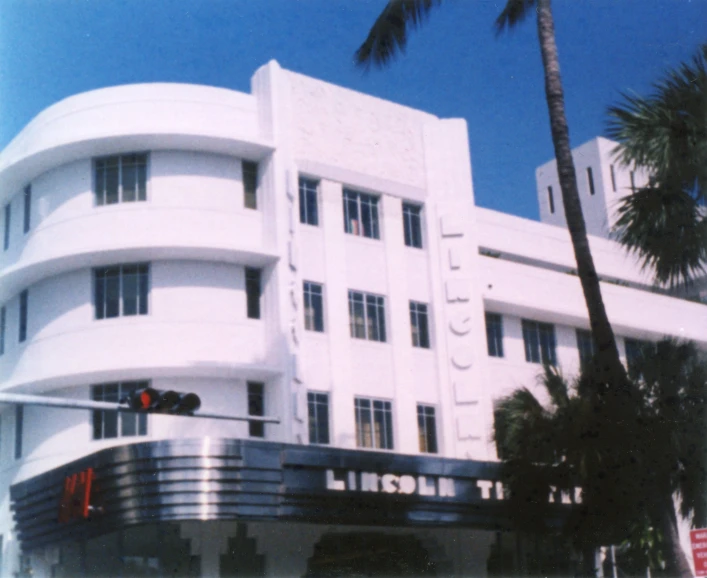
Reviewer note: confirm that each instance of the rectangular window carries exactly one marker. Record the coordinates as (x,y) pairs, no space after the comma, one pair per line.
(111,424)
(6,230)
(551,200)
(308,208)
(256,407)
(361,214)
(427,429)
(19,427)
(419,325)
(374,423)
(585,346)
(539,340)
(367,316)
(590,179)
(27,195)
(23,316)
(313,307)
(252,292)
(412,225)
(3,316)
(121,290)
(494,334)
(318,406)
(250,185)
(636,349)
(120,179)
(613,178)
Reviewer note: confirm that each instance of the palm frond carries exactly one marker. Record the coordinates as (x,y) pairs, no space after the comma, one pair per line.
(389,33)
(666,227)
(514,12)
(556,386)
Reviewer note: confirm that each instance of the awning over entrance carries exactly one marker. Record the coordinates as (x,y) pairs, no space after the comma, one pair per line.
(229,479)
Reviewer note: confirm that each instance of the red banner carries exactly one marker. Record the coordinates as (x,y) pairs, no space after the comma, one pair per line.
(698,540)
(76,497)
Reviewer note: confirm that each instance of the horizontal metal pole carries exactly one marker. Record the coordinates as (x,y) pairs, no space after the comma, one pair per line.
(26,399)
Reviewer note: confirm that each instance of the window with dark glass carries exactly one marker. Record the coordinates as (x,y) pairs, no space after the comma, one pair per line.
(367,316)
(494,334)
(250,185)
(374,423)
(308,207)
(551,199)
(636,350)
(313,307)
(252,292)
(3,316)
(361,214)
(590,179)
(121,290)
(427,429)
(24,297)
(6,230)
(19,429)
(613,178)
(585,346)
(27,201)
(412,225)
(318,407)
(113,424)
(539,341)
(256,407)
(120,179)
(419,325)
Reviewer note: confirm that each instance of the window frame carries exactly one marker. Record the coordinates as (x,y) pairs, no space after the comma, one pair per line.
(412,225)
(23,310)
(420,325)
(27,208)
(8,223)
(254,303)
(316,422)
(256,407)
(143,286)
(537,349)
(427,429)
(99,417)
(313,322)
(142,161)
(308,189)
(251,169)
(585,347)
(368,302)
(494,339)
(384,414)
(359,200)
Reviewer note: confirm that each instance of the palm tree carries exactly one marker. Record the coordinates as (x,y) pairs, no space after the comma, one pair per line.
(665,420)
(389,35)
(666,132)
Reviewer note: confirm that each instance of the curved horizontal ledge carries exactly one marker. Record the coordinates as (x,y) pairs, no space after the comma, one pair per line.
(141,348)
(137,233)
(18,172)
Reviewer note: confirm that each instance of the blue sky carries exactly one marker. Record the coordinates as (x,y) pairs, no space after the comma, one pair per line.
(454,66)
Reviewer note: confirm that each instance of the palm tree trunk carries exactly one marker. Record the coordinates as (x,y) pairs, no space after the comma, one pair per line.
(610,365)
(676,563)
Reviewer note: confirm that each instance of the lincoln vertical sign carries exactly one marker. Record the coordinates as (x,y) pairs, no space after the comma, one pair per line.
(698,540)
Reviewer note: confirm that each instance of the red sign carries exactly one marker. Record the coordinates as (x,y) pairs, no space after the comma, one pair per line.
(698,539)
(76,497)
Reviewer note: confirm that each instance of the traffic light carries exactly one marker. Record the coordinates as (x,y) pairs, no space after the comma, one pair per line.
(151,400)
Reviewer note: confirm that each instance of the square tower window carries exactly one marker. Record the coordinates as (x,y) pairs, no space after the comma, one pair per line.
(121,290)
(412,225)
(494,334)
(308,206)
(22,333)
(318,409)
(256,407)
(250,185)
(313,307)
(374,423)
(419,325)
(539,341)
(367,316)
(252,292)
(27,201)
(112,424)
(427,429)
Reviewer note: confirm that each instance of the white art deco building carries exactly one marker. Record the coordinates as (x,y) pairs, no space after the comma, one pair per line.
(302,252)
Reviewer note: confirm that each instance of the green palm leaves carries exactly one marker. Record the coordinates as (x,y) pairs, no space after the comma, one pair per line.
(666,132)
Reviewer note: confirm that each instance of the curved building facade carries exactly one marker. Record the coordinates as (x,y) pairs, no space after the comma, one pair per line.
(302,252)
